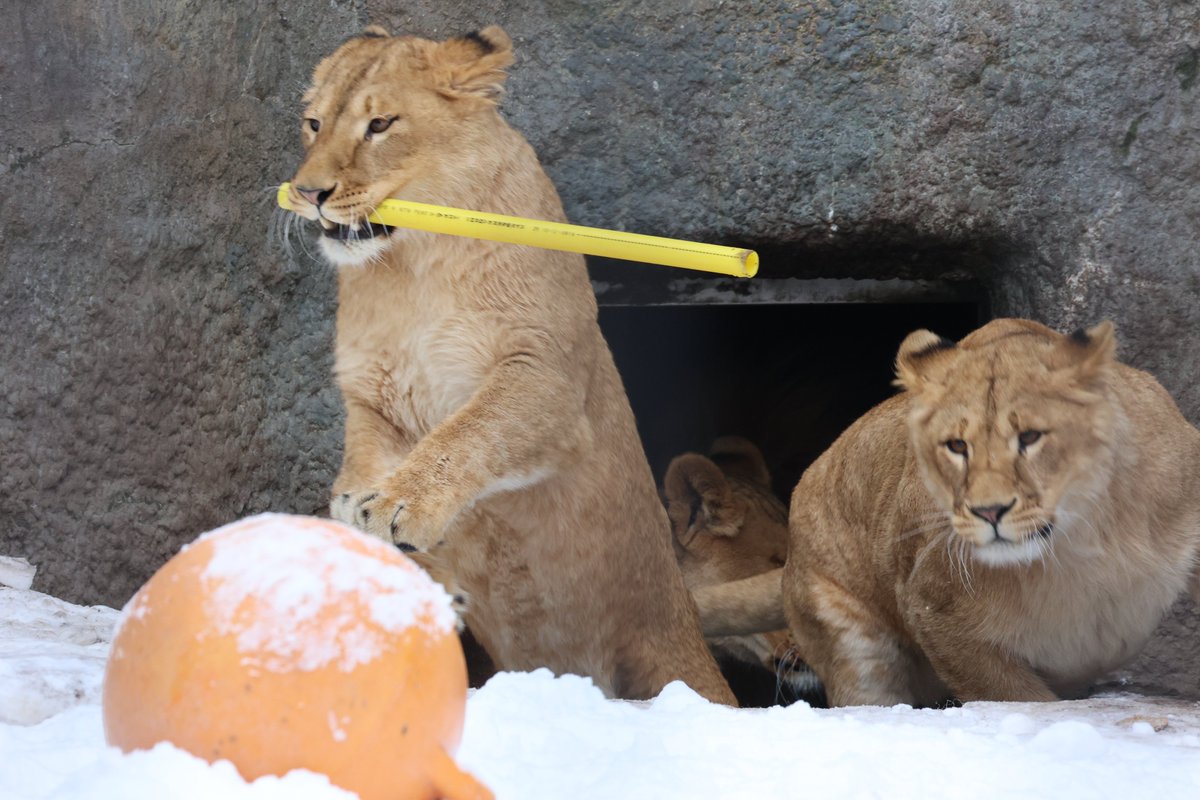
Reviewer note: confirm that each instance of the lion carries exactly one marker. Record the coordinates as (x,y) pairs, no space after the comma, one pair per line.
(728,525)
(486,425)
(1011,526)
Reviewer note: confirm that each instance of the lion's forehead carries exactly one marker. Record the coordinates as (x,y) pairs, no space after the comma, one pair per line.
(761,505)
(357,95)
(1012,376)
(1003,406)
(363,71)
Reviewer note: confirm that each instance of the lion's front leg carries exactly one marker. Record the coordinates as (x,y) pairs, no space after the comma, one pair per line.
(525,421)
(372,451)
(972,667)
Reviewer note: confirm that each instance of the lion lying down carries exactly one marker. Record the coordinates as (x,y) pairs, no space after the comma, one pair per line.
(1011,526)
(486,425)
(728,524)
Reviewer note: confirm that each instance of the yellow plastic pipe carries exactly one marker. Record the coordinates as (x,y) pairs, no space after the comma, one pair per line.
(735,261)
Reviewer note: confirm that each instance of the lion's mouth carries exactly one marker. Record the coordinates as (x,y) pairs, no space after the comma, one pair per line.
(358,232)
(1043,531)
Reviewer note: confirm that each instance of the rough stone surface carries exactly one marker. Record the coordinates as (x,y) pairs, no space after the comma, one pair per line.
(165,362)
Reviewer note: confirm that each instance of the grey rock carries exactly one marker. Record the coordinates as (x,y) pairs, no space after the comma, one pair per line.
(165,361)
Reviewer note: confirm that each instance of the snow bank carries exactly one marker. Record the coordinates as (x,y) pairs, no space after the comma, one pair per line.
(52,655)
(532,736)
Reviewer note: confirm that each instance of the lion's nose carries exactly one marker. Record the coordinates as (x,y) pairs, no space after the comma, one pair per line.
(314,196)
(992,514)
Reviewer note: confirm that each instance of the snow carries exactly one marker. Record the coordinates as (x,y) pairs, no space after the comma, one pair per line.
(16,572)
(52,655)
(532,735)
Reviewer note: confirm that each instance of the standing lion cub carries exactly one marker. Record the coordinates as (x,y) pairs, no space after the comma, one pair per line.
(1010,527)
(486,426)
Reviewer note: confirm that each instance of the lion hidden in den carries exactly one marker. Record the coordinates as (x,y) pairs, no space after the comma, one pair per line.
(728,525)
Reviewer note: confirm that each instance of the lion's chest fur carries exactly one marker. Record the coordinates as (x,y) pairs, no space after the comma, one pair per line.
(1074,629)
(413,353)
(1086,610)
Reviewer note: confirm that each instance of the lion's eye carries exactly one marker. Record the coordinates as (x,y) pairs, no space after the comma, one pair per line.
(313,125)
(957,446)
(379,125)
(1028,438)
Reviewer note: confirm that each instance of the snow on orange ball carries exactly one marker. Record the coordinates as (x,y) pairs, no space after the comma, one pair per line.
(281,643)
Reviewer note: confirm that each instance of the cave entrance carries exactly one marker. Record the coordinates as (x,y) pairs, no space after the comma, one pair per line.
(788,364)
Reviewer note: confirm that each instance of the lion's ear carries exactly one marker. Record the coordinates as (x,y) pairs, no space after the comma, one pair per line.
(1087,353)
(921,359)
(473,65)
(699,499)
(740,458)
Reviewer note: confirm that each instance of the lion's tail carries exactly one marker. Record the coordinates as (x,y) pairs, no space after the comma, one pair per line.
(751,605)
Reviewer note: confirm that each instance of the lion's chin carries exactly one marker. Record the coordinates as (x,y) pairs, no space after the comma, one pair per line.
(346,253)
(353,245)
(1004,553)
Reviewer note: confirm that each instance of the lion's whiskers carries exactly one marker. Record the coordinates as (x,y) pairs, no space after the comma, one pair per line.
(782,664)
(924,552)
(786,663)
(285,227)
(935,522)
(1069,519)
(964,568)
(1047,545)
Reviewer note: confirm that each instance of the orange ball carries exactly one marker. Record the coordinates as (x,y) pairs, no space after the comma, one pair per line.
(281,643)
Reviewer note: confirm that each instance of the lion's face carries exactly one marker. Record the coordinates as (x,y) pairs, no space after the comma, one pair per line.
(726,522)
(387,117)
(1010,432)
(727,525)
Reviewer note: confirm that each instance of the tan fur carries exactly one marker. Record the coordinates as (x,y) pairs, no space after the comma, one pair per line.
(729,525)
(897,592)
(486,424)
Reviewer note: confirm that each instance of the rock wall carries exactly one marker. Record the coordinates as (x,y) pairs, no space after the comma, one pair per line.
(164,365)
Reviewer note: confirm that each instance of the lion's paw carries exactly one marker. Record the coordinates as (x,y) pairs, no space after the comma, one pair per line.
(354,508)
(439,571)
(460,602)
(395,520)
